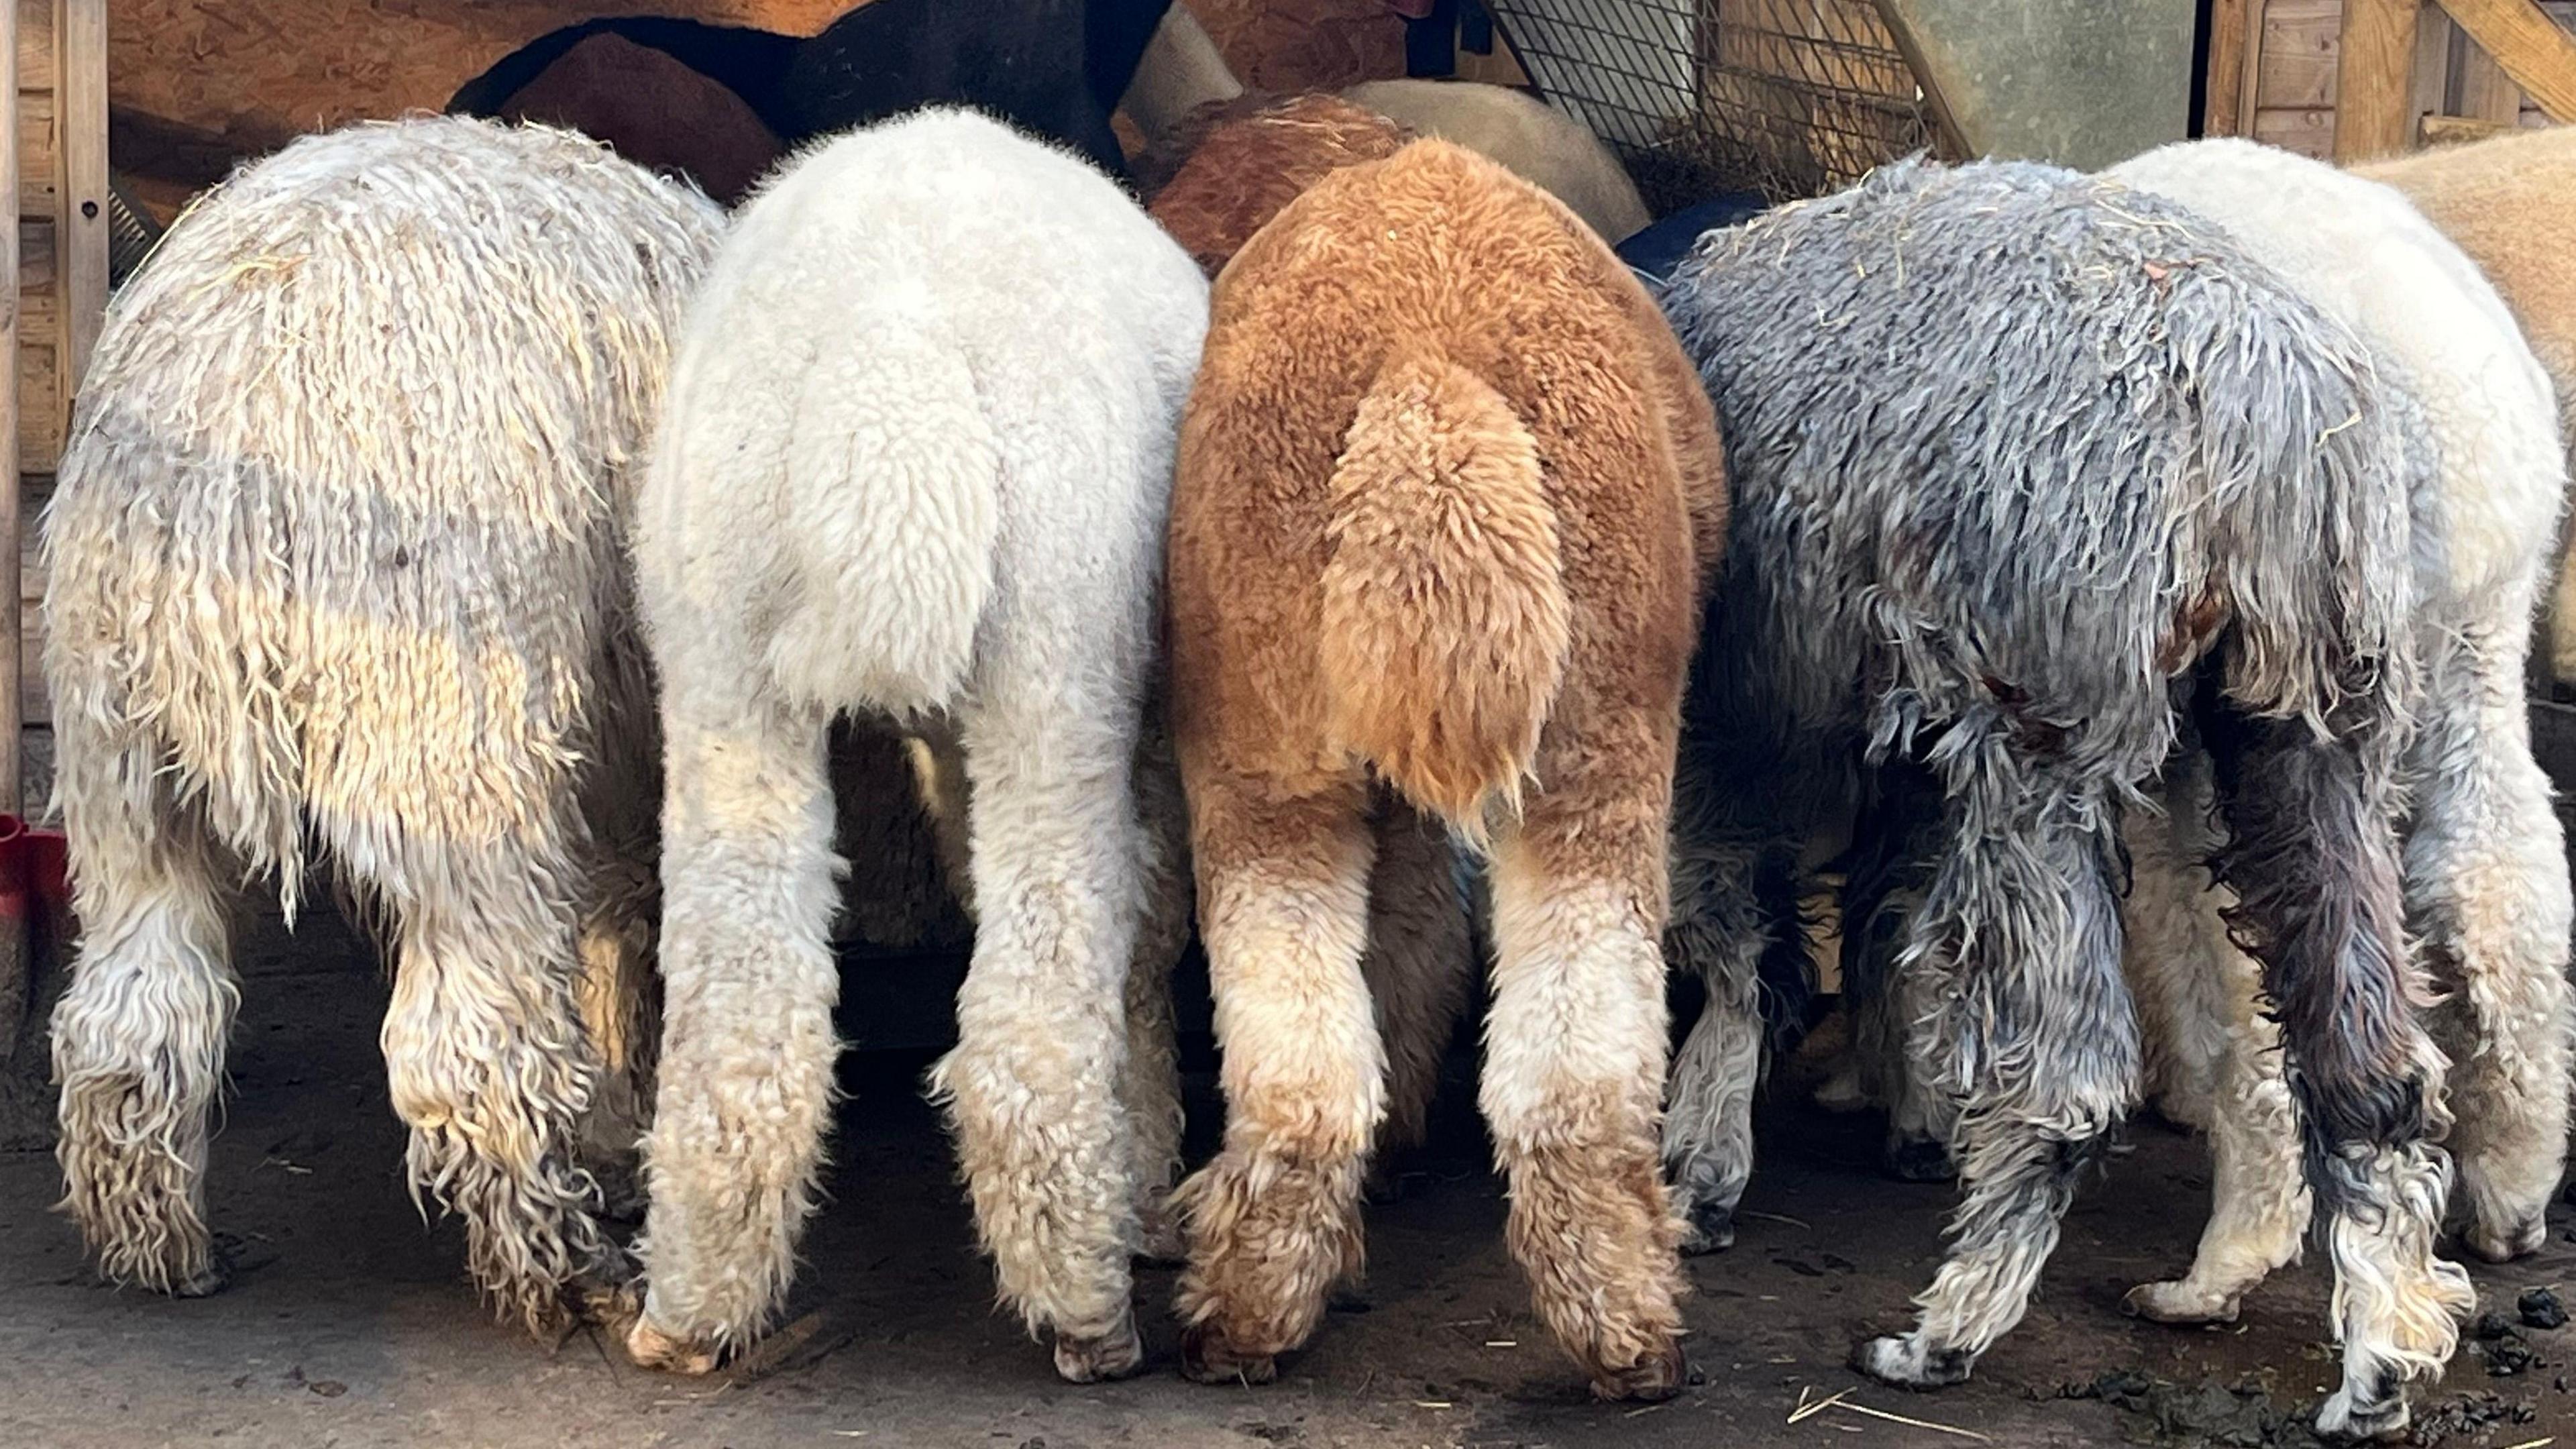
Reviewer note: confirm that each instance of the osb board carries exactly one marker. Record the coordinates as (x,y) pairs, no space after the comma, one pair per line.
(1294,45)
(2295,92)
(238,77)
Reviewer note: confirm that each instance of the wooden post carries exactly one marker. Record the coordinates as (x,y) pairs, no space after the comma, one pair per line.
(80,125)
(2540,57)
(2374,80)
(12,704)
(2231,23)
(1945,124)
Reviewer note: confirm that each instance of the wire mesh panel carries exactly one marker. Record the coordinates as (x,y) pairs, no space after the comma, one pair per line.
(1789,98)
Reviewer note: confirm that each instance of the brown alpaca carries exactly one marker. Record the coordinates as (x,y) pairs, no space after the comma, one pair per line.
(1447,488)
(1229,166)
(2507,203)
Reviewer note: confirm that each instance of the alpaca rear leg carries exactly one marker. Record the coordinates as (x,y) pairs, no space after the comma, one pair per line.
(2313,861)
(749,980)
(2217,1049)
(2034,1039)
(1149,1075)
(2486,879)
(139,1036)
(1576,1041)
(487,1064)
(1722,924)
(1418,965)
(619,994)
(1032,1088)
(1273,1221)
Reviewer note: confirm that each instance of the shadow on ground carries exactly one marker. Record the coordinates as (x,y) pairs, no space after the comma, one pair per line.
(349,1323)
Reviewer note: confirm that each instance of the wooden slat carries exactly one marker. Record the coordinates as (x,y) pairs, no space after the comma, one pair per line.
(2435,38)
(2249,85)
(2483,92)
(2306,130)
(12,616)
(2540,57)
(81,244)
(2298,39)
(36,153)
(2374,78)
(2452,130)
(2231,34)
(35,45)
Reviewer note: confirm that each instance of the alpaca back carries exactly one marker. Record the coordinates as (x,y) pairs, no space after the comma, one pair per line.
(338,529)
(2012,445)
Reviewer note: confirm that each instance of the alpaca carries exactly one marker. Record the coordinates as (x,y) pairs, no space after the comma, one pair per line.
(334,564)
(2022,459)
(1543,146)
(915,466)
(1247,160)
(1377,585)
(652,109)
(2485,864)
(2504,202)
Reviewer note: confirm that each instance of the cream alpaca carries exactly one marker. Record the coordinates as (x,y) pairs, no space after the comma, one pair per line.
(334,565)
(915,465)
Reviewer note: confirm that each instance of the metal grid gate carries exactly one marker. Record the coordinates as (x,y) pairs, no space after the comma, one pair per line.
(1789,98)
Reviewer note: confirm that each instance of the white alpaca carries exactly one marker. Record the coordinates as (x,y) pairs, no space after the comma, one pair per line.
(1541,145)
(915,465)
(2485,863)
(334,565)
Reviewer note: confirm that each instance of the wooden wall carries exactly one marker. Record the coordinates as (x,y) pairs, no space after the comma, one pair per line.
(2293,104)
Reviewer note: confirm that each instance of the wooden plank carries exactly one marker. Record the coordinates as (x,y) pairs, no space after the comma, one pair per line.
(2429,94)
(2231,34)
(2374,76)
(2540,57)
(2298,43)
(80,245)
(36,153)
(12,653)
(1945,124)
(2306,130)
(35,45)
(2453,130)
(2249,84)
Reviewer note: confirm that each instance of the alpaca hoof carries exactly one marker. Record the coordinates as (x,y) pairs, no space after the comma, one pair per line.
(1707,1228)
(1112,1355)
(651,1348)
(1902,1360)
(1652,1381)
(206,1282)
(2344,1418)
(1207,1358)
(1348,1296)
(2503,1245)
(2178,1303)
(1925,1159)
(1382,1188)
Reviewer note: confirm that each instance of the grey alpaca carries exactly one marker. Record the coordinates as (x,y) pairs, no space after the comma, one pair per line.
(2028,469)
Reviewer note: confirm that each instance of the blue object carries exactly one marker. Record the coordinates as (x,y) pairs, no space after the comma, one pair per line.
(1659,248)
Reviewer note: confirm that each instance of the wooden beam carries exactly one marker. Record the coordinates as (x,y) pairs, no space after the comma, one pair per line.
(2540,57)
(12,707)
(2486,93)
(2452,130)
(81,245)
(2374,80)
(1954,141)
(2222,104)
(2249,90)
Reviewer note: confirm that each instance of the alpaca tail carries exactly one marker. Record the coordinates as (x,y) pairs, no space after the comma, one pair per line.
(1445,618)
(893,526)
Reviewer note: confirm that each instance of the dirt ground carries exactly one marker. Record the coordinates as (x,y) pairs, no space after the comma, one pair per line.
(349,1323)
